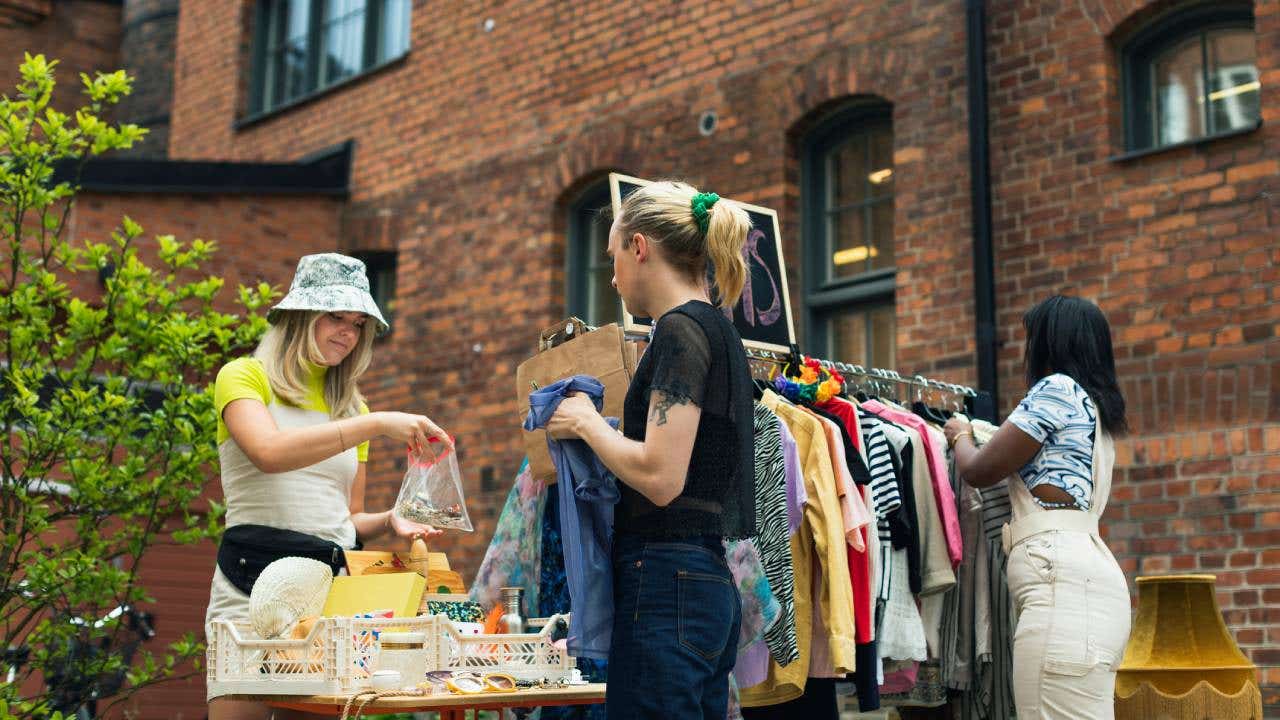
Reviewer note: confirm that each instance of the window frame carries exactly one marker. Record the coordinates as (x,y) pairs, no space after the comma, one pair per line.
(378,263)
(823,297)
(866,309)
(259,106)
(580,218)
(1138,53)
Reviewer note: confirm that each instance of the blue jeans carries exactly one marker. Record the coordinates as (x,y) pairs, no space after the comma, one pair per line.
(675,629)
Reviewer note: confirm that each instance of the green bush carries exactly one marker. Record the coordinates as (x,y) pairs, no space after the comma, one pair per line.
(104,401)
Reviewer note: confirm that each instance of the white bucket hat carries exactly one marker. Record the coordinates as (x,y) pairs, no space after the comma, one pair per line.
(330,282)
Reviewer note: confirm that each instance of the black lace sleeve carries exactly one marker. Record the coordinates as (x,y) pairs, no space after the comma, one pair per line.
(681,359)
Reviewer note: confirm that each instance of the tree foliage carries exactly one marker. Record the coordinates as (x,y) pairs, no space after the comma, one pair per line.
(107,346)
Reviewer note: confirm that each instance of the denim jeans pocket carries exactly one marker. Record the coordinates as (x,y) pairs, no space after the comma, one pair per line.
(705,612)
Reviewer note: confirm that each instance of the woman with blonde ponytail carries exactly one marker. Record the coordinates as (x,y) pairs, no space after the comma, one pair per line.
(293,439)
(686,459)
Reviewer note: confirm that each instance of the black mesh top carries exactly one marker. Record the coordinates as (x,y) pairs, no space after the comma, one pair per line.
(696,355)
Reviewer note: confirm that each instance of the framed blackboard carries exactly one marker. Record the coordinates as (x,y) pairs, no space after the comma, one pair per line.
(763,314)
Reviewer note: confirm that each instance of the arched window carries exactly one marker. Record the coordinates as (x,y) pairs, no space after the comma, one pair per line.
(1190,76)
(588,270)
(847,194)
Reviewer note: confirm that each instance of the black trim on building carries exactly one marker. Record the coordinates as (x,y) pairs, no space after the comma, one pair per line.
(984,284)
(324,173)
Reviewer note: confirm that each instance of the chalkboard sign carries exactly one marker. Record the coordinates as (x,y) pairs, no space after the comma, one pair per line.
(763,314)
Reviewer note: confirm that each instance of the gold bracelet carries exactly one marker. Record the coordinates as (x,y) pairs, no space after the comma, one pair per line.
(342,444)
(956,439)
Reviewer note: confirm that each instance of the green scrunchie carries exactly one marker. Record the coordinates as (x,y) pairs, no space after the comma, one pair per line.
(701,205)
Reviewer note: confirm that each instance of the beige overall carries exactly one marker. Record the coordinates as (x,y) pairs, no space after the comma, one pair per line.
(1071,602)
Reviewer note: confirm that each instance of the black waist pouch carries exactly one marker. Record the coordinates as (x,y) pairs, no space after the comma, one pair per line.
(247,550)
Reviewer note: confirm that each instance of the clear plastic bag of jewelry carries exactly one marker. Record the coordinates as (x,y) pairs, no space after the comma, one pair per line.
(432,490)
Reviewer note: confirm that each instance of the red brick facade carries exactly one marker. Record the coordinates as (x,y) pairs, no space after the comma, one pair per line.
(469,149)
(84,35)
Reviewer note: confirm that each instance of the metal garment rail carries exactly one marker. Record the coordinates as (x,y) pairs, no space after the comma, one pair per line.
(877,374)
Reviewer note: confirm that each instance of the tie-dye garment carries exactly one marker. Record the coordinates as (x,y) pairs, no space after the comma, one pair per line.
(514,556)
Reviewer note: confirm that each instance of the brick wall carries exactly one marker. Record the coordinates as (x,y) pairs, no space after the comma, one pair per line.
(83,34)
(467,150)
(13,12)
(260,237)
(146,53)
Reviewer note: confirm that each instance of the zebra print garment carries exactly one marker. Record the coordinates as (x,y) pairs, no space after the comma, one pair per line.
(772,538)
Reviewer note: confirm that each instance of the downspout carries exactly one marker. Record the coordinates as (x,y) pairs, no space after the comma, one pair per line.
(984,287)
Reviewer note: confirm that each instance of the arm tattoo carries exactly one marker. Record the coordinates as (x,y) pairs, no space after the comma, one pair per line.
(662,403)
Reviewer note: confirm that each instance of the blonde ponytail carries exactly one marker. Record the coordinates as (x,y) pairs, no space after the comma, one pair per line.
(726,235)
(664,213)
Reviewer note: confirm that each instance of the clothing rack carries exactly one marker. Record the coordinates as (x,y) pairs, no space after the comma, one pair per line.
(844,368)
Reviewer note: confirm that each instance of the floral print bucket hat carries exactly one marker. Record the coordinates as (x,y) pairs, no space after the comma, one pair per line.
(330,282)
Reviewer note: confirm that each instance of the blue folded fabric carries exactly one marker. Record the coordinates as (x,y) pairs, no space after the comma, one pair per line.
(587,494)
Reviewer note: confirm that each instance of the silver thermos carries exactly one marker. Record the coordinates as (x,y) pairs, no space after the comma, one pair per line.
(511,622)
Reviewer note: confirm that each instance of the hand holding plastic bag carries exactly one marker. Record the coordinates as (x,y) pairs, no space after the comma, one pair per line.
(432,491)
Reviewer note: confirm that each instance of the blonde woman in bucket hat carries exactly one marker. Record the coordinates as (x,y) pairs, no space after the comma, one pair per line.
(293,436)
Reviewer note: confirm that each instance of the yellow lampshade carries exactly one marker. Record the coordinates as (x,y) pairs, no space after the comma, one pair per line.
(1181,660)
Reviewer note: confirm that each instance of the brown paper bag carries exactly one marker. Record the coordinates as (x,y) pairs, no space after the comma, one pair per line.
(603,354)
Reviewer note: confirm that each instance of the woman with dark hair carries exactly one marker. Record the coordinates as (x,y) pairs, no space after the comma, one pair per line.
(1071,599)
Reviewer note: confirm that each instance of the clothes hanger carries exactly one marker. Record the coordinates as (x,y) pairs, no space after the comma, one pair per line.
(920,407)
(939,396)
(860,390)
(758,387)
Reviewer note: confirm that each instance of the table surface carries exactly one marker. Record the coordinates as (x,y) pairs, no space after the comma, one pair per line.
(533,697)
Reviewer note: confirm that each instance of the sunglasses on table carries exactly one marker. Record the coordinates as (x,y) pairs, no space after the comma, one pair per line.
(472,683)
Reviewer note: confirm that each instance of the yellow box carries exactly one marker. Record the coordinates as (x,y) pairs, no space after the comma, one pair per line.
(353,595)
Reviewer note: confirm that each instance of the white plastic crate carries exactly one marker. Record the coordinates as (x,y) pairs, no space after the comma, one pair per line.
(340,654)
(529,656)
(336,658)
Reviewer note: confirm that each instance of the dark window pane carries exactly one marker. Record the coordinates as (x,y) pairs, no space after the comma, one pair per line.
(1233,80)
(604,299)
(880,168)
(881,253)
(858,202)
(1179,93)
(380,267)
(293,64)
(883,340)
(604,303)
(589,283)
(285,53)
(393,30)
(342,40)
(863,334)
(847,173)
(849,243)
(848,340)
(297,15)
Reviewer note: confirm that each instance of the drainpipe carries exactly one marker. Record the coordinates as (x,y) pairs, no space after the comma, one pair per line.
(984,286)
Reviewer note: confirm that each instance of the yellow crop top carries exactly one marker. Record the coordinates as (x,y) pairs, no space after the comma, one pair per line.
(245,378)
